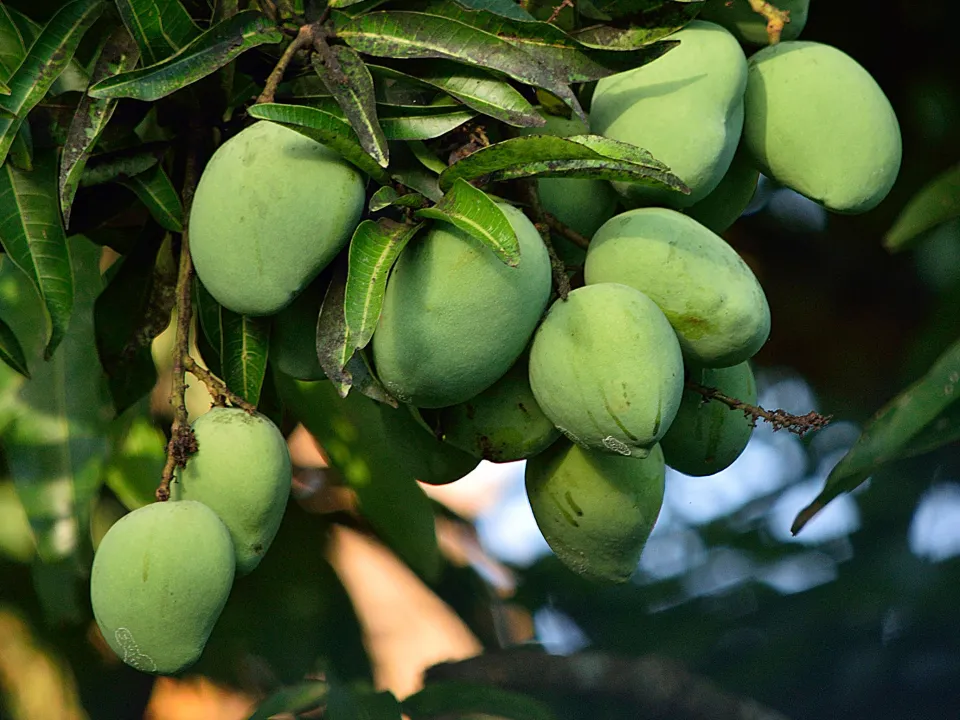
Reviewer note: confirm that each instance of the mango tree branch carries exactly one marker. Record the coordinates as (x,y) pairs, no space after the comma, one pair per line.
(531,196)
(775,18)
(217,387)
(566,231)
(304,39)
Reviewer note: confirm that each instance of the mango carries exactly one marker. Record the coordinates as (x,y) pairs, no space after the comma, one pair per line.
(160,579)
(502,424)
(708,293)
(595,510)
(242,471)
(271,211)
(455,318)
(685,107)
(749,27)
(817,122)
(721,208)
(706,437)
(293,337)
(606,368)
(581,204)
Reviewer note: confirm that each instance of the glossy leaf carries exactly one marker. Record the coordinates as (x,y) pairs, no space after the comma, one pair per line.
(411,122)
(160,27)
(72,79)
(456,699)
(475,213)
(119,54)
(209,52)
(888,434)
(579,156)
(244,347)
(387,196)
(21,151)
(346,77)
(325,127)
(11,352)
(374,249)
(297,699)
(155,190)
(13,47)
(407,169)
(33,238)
(46,59)
(937,202)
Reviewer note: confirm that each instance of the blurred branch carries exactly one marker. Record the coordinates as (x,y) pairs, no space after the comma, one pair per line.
(655,686)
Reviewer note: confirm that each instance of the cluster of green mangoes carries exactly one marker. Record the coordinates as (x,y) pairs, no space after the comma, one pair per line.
(162,574)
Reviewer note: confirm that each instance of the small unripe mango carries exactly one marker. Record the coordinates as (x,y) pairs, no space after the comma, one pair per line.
(595,510)
(606,368)
(750,27)
(686,108)
(160,579)
(271,211)
(817,122)
(721,208)
(455,318)
(706,437)
(708,293)
(242,471)
(502,424)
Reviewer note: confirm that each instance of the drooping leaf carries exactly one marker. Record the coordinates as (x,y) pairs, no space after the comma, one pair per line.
(297,699)
(407,169)
(160,27)
(454,698)
(244,346)
(33,238)
(136,462)
(888,434)
(578,156)
(155,190)
(654,23)
(428,159)
(387,196)
(410,122)
(472,210)
(11,352)
(46,59)
(374,249)
(935,203)
(119,54)
(113,167)
(205,55)
(325,127)
(346,76)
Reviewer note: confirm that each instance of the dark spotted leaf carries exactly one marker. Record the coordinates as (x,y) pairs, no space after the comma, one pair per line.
(160,27)
(657,21)
(387,196)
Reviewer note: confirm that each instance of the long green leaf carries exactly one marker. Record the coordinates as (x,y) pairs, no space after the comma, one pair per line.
(160,27)
(244,347)
(472,210)
(155,190)
(506,8)
(888,434)
(935,203)
(654,22)
(72,79)
(410,122)
(119,54)
(578,156)
(346,76)
(374,249)
(13,46)
(47,57)
(454,698)
(297,699)
(202,57)
(11,352)
(407,169)
(33,237)
(387,196)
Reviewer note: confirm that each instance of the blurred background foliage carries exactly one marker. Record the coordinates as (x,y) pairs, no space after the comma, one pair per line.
(854,618)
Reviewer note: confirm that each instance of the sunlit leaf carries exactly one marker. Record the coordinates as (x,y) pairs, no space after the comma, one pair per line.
(160,27)
(136,462)
(935,203)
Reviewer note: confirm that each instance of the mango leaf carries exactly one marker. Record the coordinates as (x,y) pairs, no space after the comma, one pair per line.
(56,444)
(325,127)
(472,210)
(407,169)
(410,122)
(13,47)
(295,700)
(244,347)
(21,151)
(578,156)
(155,190)
(654,22)
(203,56)
(455,698)
(160,27)
(119,54)
(47,57)
(11,352)
(888,434)
(210,340)
(387,196)
(113,167)
(613,9)
(346,76)
(506,8)
(428,159)
(937,202)
(474,87)
(374,249)
(339,4)
(34,239)
(349,703)
(411,35)
(136,462)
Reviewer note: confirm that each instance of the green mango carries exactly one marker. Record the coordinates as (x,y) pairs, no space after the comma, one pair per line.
(581,204)
(596,510)
(708,293)
(293,337)
(721,208)
(242,471)
(271,211)
(606,368)
(818,123)
(160,579)
(706,437)
(455,318)
(502,424)
(686,108)
(750,27)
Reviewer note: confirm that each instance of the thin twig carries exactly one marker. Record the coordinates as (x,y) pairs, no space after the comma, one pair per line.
(531,196)
(217,387)
(304,39)
(559,9)
(780,419)
(566,231)
(775,18)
